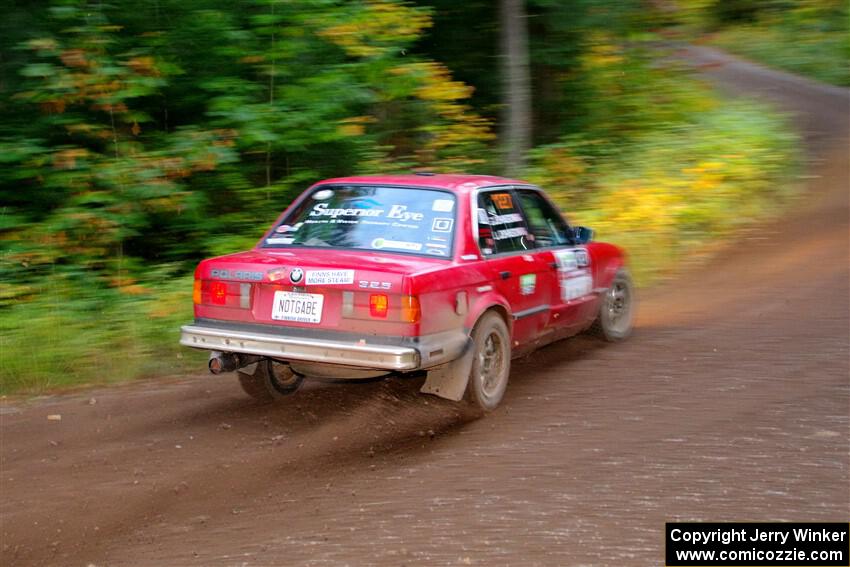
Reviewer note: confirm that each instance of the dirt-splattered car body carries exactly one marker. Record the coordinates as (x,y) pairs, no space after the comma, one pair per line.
(363,276)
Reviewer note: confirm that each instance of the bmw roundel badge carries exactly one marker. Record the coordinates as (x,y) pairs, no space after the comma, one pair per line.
(295,275)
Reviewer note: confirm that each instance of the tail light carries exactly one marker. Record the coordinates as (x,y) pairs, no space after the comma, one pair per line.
(221,293)
(378,303)
(196,293)
(218,293)
(410,310)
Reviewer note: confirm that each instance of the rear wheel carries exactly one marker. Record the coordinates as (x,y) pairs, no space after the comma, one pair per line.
(270,381)
(616,310)
(491,363)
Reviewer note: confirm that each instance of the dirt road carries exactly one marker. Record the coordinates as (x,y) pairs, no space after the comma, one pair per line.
(730,403)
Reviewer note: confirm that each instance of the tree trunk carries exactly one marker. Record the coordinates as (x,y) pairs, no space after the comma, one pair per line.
(516,85)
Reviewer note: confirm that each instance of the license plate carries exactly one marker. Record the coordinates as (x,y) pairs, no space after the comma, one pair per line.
(299,307)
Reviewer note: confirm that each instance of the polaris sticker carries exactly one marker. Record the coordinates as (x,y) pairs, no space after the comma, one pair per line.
(330,277)
(236,275)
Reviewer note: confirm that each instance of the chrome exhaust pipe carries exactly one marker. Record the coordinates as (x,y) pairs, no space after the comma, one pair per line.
(223,362)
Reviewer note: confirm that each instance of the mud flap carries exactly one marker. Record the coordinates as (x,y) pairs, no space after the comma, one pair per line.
(249,369)
(449,380)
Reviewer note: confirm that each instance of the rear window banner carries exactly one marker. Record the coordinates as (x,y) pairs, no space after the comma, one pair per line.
(370,218)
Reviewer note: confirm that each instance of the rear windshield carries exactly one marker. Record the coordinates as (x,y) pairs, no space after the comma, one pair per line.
(362,217)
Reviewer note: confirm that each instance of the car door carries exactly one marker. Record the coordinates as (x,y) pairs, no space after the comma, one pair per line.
(515,267)
(569,280)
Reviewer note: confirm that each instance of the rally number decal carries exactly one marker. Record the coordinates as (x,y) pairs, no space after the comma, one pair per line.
(574,277)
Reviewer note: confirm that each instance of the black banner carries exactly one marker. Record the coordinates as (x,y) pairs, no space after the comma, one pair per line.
(742,544)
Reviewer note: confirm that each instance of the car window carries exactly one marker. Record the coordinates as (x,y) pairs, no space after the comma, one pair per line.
(501,227)
(545,223)
(364,217)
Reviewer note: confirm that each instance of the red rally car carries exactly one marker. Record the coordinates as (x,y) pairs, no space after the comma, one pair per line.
(362,277)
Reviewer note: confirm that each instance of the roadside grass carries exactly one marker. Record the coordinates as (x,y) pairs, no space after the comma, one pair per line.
(664,197)
(813,51)
(66,336)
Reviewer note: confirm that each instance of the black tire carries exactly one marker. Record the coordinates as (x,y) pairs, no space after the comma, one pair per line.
(270,381)
(491,363)
(616,310)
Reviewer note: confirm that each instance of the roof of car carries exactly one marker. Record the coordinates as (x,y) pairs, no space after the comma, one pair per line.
(452,182)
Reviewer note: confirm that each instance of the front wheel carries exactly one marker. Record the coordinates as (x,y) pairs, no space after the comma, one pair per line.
(616,310)
(270,381)
(491,363)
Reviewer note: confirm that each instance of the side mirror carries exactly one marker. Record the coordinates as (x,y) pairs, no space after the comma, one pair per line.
(582,234)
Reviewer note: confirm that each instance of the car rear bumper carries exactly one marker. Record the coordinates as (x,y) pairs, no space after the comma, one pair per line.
(420,353)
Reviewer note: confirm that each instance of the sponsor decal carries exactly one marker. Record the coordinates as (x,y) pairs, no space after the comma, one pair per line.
(280,240)
(503,201)
(296,275)
(566,260)
(380,243)
(575,286)
(323,195)
(276,274)
(510,233)
(435,252)
(236,275)
(574,279)
(527,283)
(329,277)
(582,257)
(373,285)
(283,228)
(441,224)
(506,219)
(443,205)
(435,245)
